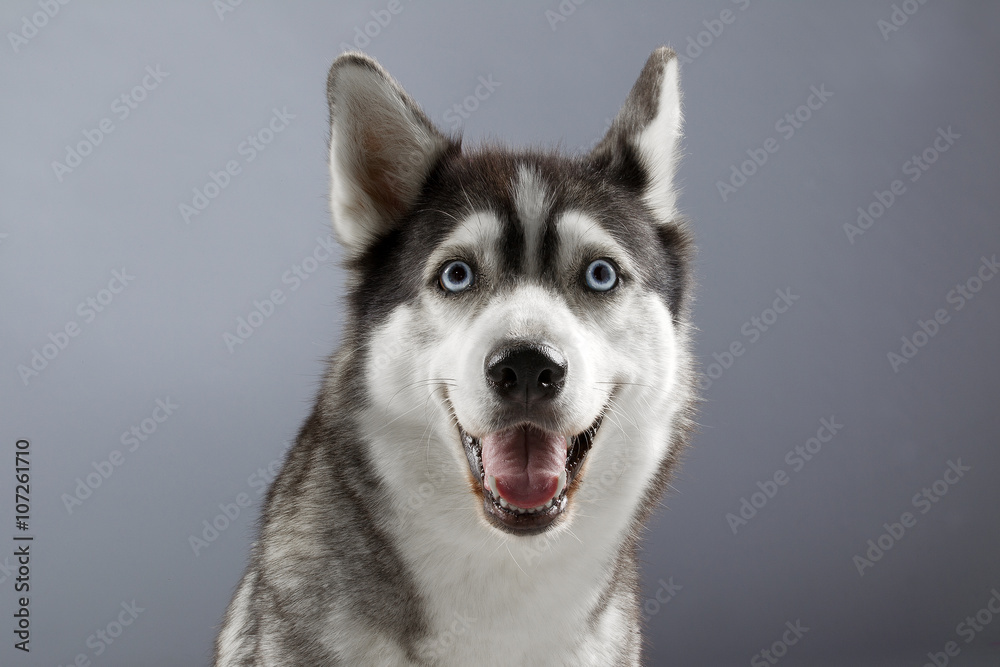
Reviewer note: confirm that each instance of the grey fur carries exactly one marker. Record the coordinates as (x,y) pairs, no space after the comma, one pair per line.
(326,547)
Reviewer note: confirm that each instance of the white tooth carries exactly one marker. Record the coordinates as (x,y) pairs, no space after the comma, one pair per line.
(532,510)
(493,486)
(561,485)
(503,503)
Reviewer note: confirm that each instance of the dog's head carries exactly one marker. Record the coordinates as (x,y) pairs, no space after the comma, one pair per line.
(518,317)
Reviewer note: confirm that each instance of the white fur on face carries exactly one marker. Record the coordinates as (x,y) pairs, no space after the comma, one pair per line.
(582,238)
(437,346)
(475,239)
(528,313)
(428,358)
(532,201)
(559,593)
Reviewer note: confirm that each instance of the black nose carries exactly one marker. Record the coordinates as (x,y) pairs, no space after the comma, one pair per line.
(526,373)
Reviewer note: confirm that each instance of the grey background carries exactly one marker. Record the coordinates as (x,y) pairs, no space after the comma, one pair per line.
(162,337)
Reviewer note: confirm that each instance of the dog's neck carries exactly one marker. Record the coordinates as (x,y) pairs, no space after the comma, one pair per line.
(481,587)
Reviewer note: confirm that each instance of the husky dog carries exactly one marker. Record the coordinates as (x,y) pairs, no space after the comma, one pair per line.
(511,394)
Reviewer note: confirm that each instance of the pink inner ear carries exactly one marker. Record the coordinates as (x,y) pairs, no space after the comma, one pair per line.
(381,178)
(384,147)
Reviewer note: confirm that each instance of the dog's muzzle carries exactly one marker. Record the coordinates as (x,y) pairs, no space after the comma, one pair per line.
(525,469)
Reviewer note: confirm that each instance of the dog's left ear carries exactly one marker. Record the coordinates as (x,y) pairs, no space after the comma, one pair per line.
(640,149)
(382,148)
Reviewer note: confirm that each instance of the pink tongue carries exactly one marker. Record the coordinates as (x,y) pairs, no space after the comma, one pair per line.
(526,463)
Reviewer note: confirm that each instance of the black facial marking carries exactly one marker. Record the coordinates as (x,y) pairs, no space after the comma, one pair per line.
(484,181)
(549,247)
(674,284)
(623,167)
(512,244)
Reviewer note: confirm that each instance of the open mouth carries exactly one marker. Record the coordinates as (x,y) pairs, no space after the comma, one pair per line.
(526,473)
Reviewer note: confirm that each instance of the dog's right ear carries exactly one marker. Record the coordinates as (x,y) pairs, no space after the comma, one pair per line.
(382,147)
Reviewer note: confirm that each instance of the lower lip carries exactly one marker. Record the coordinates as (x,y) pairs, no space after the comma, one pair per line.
(522,523)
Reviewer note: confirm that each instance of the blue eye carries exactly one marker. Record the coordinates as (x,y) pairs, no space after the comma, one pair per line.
(456,276)
(601,275)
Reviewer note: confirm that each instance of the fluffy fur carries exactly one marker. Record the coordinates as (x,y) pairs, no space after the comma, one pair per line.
(379,543)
